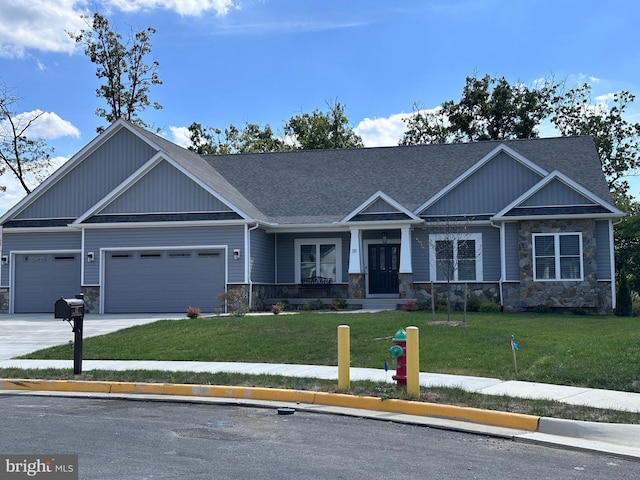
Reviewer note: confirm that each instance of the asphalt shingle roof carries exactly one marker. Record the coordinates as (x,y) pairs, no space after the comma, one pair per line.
(319,186)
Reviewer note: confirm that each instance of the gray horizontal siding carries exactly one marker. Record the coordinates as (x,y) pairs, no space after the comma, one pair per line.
(92,178)
(70,240)
(262,257)
(134,238)
(490,250)
(488,190)
(556,193)
(603,258)
(286,254)
(165,189)
(512,251)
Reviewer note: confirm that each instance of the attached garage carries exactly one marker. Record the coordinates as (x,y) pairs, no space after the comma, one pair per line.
(42,278)
(157,281)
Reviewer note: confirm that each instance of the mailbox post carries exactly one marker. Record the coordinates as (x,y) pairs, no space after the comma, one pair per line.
(72,310)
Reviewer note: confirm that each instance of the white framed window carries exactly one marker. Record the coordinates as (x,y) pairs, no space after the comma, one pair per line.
(557,256)
(318,256)
(455,257)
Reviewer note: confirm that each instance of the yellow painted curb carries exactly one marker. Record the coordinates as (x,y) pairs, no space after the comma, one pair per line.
(424,409)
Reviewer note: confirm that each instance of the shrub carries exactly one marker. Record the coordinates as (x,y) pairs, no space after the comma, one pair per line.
(235,301)
(488,307)
(410,306)
(473,305)
(276,308)
(338,304)
(314,305)
(624,306)
(193,312)
(542,309)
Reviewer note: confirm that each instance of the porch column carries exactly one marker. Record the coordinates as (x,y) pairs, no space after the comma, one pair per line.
(356,287)
(355,265)
(405,251)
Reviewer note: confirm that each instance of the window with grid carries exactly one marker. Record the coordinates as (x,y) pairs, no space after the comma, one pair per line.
(557,256)
(456,257)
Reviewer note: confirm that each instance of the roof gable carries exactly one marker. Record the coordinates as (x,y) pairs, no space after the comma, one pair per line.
(557,195)
(87,176)
(380,207)
(161,191)
(468,194)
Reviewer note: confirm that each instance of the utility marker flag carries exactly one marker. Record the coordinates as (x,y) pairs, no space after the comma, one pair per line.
(514,347)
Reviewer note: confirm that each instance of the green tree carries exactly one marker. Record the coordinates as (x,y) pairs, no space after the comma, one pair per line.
(21,155)
(624,305)
(490,109)
(326,130)
(127,77)
(617,140)
(249,139)
(627,241)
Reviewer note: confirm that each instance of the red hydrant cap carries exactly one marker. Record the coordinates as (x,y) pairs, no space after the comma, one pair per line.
(401,336)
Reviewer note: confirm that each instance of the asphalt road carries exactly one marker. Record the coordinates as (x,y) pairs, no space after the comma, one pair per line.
(120,439)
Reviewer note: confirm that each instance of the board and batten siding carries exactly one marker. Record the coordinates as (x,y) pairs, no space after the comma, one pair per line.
(64,241)
(420,241)
(489,189)
(286,254)
(231,236)
(165,189)
(556,193)
(512,251)
(92,179)
(262,257)
(603,257)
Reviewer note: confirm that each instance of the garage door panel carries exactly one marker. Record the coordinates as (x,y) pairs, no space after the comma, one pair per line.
(41,279)
(163,281)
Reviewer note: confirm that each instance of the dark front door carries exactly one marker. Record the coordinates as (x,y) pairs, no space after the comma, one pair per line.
(383,268)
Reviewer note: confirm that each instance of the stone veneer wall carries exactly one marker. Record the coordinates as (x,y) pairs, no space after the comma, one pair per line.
(483,292)
(588,294)
(91,299)
(4,300)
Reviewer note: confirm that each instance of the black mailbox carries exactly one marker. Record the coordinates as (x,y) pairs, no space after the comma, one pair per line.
(72,310)
(69,308)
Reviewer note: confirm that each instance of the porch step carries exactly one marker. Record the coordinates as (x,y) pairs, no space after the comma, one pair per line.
(379,303)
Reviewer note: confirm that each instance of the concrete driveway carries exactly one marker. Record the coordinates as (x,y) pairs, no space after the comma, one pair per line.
(25,333)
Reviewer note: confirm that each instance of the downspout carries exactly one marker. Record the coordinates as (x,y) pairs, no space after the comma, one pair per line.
(248,260)
(503,260)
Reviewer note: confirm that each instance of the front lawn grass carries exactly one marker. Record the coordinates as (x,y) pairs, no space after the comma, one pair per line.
(596,352)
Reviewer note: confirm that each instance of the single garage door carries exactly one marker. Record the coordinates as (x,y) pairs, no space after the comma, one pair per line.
(163,281)
(41,279)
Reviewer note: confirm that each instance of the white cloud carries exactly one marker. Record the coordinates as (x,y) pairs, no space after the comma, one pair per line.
(181,7)
(180,136)
(47,126)
(382,132)
(39,25)
(43,24)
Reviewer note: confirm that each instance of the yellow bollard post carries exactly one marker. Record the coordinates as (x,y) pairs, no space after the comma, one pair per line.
(413,362)
(344,358)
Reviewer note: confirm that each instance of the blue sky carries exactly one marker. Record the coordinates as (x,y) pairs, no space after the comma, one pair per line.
(263,61)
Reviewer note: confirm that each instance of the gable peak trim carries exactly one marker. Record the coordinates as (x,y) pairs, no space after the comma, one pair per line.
(379,195)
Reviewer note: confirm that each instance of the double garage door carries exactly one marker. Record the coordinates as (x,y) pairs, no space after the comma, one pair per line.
(158,281)
(145,281)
